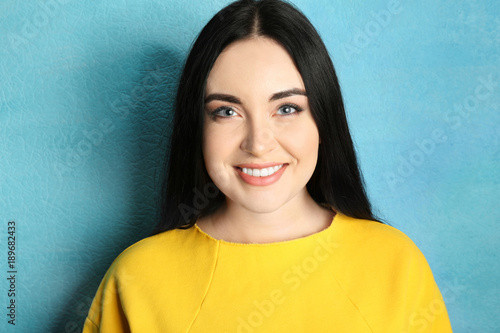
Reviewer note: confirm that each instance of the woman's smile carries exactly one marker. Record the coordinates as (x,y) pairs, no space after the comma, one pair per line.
(261,176)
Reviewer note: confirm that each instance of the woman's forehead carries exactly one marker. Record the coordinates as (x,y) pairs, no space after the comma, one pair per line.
(256,64)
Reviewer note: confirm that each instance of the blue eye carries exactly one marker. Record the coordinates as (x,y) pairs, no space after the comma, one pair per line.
(288,109)
(223,112)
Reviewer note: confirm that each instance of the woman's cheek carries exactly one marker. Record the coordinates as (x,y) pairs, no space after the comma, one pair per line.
(302,136)
(218,176)
(218,171)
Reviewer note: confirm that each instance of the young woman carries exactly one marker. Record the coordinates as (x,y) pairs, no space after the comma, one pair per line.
(266,227)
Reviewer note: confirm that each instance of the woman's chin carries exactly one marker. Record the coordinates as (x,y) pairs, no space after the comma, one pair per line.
(259,205)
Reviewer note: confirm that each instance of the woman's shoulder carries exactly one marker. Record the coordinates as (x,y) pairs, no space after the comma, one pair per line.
(168,250)
(381,249)
(162,242)
(381,263)
(374,236)
(169,263)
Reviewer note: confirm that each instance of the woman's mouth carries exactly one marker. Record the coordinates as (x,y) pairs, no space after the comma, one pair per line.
(265,172)
(261,176)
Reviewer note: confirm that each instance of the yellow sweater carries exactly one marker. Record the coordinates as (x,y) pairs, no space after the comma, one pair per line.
(354,276)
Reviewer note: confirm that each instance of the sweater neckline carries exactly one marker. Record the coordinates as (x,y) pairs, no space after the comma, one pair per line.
(313,236)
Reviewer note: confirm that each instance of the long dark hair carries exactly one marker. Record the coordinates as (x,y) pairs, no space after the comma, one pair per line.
(188,192)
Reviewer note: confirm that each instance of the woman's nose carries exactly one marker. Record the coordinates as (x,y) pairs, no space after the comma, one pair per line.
(259,139)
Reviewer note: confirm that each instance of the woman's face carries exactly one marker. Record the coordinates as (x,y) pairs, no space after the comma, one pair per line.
(260,142)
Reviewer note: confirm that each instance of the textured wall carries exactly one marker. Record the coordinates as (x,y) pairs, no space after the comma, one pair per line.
(85,95)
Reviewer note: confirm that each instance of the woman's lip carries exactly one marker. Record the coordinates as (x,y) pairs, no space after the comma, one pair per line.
(259,166)
(261,181)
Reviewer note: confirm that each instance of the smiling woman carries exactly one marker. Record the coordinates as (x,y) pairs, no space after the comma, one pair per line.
(266,225)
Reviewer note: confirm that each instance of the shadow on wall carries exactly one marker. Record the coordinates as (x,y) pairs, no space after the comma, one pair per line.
(138,129)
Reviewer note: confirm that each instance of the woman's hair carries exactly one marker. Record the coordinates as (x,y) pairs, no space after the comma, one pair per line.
(188,192)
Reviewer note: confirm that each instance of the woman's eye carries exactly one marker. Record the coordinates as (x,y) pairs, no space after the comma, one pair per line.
(289,109)
(224,112)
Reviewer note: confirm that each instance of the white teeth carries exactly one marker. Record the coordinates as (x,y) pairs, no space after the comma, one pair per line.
(262,172)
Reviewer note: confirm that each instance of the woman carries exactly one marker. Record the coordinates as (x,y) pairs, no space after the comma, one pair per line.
(266,227)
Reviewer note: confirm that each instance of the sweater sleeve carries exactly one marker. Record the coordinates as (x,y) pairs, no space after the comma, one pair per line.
(406,281)
(427,310)
(106,313)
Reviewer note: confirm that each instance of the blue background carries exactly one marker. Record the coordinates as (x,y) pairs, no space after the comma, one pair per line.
(85,98)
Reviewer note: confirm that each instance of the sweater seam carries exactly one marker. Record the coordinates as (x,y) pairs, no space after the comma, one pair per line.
(94,324)
(353,304)
(211,279)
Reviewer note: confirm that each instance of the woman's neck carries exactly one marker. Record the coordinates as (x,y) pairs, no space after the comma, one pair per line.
(299,217)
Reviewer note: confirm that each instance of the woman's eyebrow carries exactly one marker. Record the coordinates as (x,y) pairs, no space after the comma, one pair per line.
(222,97)
(287,93)
(274,97)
